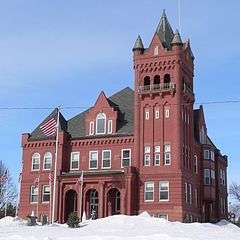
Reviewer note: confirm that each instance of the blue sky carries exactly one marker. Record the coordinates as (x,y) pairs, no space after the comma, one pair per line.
(65,52)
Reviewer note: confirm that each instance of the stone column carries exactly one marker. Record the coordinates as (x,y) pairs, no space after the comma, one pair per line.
(101,200)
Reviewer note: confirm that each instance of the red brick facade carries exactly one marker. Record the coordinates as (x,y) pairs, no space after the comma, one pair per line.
(172,168)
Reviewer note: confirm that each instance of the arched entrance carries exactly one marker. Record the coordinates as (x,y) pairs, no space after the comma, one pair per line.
(92,203)
(114,202)
(70,203)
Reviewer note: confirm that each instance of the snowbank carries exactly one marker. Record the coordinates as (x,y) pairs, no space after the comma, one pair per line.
(120,227)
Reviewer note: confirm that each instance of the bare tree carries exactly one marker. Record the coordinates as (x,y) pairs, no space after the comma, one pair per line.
(235,194)
(7,188)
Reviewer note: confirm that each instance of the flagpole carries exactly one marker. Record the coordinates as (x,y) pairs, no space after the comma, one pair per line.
(81,196)
(55,167)
(38,198)
(179,16)
(6,195)
(50,200)
(19,190)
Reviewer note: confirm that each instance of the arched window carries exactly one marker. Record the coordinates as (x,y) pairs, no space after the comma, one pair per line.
(167,78)
(156,82)
(101,123)
(146,83)
(47,161)
(35,162)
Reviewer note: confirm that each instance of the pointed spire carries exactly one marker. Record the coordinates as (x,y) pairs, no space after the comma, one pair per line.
(177,39)
(164,30)
(138,44)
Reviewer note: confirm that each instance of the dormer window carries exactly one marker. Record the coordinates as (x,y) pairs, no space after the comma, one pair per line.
(101,123)
(110,127)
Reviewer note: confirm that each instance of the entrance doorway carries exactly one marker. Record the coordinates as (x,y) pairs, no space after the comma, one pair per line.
(114,202)
(70,203)
(92,203)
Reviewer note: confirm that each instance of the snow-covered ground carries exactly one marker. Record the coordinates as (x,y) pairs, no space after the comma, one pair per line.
(121,227)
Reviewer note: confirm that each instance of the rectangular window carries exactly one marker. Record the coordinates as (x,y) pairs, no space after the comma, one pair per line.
(206,154)
(212,155)
(186,192)
(46,194)
(146,115)
(106,159)
(163,191)
(167,112)
(195,164)
(196,197)
(91,128)
(213,174)
(190,193)
(157,156)
(206,176)
(223,177)
(93,159)
(162,215)
(157,114)
(149,192)
(126,157)
(167,154)
(34,194)
(109,126)
(147,160)
(74,164)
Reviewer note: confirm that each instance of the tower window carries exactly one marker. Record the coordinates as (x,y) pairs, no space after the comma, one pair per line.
(167,112)
(147,157)
(147,83)
(147,115)
(155,51)
(157,156)
(167,154)
(167,80)
(101,123)
(156,82)
(157,114)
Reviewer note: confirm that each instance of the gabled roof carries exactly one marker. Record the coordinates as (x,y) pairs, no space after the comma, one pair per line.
(122,101)
(164,31)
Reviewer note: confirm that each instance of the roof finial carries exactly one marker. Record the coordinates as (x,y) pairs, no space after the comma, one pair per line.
(177,39)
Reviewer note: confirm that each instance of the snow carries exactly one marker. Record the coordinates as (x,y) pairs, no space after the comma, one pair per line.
(142,227)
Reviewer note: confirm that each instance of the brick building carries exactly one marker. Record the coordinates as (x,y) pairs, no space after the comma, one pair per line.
(145,149)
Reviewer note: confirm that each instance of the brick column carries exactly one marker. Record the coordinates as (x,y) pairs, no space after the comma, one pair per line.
(101,200)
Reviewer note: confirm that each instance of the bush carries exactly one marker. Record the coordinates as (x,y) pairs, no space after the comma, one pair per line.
(73,220)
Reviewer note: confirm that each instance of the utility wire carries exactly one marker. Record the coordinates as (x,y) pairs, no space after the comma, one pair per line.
(81,107)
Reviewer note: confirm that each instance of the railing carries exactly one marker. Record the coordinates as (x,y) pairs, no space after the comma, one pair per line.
(163,87)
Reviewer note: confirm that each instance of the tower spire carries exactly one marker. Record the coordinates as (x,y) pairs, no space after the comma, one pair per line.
(138,44)
(164,30)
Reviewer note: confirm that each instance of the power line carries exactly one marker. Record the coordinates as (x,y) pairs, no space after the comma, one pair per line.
(81,107)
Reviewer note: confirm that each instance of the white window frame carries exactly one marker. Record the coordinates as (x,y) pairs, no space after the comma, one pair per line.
(157,156)
(212,155)
(71,161)
(110,126)
(130,157)
(190,193)
(91,128)
(167,154)
(31,194)
(99,117)
(147,115)
(110,159)
(163,214)
(213,174)
(44,193)
(160,190)
(147,160)
(167,112)
(91,160)
(36,156)
(147,191)
(206,154)
(207,176)
(157,113)
(44,161)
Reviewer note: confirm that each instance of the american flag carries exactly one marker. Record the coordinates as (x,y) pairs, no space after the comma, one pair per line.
(49,127)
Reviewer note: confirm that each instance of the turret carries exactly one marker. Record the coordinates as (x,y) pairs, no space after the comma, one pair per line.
(138,47)
(177,41)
